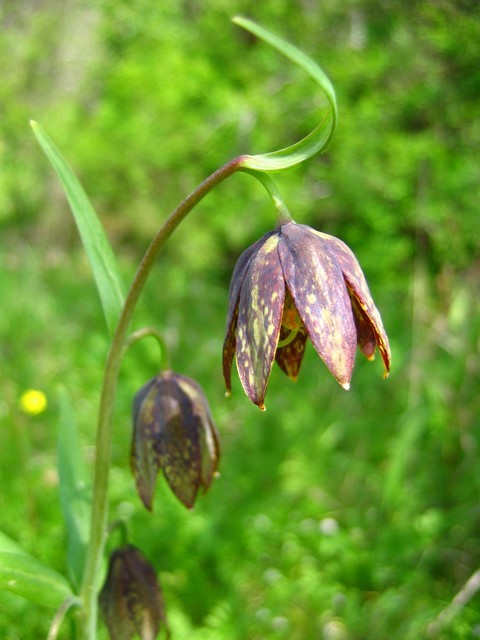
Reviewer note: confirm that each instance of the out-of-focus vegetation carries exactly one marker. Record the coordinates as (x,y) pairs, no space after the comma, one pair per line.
(337,515)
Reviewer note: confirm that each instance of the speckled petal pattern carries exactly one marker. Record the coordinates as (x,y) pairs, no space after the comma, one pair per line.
(318,289)
(259,318)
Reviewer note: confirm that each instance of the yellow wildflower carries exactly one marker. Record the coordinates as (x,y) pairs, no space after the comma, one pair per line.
(33,402)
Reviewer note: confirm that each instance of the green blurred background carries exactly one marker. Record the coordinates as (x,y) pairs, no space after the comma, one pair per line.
(337,516)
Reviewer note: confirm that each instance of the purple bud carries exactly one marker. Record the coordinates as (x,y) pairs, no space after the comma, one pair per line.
(131,600)
(173,431)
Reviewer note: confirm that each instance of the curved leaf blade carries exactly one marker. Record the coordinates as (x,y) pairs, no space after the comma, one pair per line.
(100,254)
(319,139)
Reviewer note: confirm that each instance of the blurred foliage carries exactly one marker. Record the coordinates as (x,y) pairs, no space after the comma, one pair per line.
(336,516)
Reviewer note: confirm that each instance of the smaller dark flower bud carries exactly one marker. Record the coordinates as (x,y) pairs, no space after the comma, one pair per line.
(131,600)
(173,431)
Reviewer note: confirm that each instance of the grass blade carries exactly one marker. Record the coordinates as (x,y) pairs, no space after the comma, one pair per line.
(75,498)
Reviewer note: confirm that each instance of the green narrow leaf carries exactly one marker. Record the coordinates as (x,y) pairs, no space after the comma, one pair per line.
(22,574)
(27,577)
(320,137)
(102,259)
(7,544)
(75,498)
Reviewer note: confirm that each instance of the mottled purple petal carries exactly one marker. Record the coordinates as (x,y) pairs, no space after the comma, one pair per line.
(289,358)
(144,458)
(179,445)
(259,318)
(318,289)
(358,287)
(238,276)
(209,441)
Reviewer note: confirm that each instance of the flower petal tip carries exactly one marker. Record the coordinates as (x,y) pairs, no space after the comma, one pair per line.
(147,503)
(346,386)
(262,407)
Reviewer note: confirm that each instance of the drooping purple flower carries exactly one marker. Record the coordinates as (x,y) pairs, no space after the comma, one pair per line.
(292,284)
(173,431)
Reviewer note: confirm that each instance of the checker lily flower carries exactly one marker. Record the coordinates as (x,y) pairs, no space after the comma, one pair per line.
(294,284)
(173,431)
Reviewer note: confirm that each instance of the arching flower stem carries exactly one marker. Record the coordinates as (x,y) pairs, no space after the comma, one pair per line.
(157,335)
(98,527)
(258,166)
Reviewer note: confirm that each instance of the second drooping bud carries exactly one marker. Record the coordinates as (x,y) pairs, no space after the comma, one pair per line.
(173,431)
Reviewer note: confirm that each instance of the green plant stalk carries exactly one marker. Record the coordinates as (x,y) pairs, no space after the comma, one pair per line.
(283,214)
(154,333)
(98,526)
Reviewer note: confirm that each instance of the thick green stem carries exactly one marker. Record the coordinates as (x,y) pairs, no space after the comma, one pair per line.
(98,526)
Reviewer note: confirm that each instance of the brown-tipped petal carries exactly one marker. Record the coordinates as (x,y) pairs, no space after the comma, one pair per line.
(210,454)
(365,336)
(238,276)
(209,441)
(358,287)
(318,289)
(289,358)
(259,318)
(144,457)
(179,445)
(373,317)
(229,351)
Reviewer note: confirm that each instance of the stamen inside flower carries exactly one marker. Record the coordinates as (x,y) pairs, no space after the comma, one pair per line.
(290,319)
